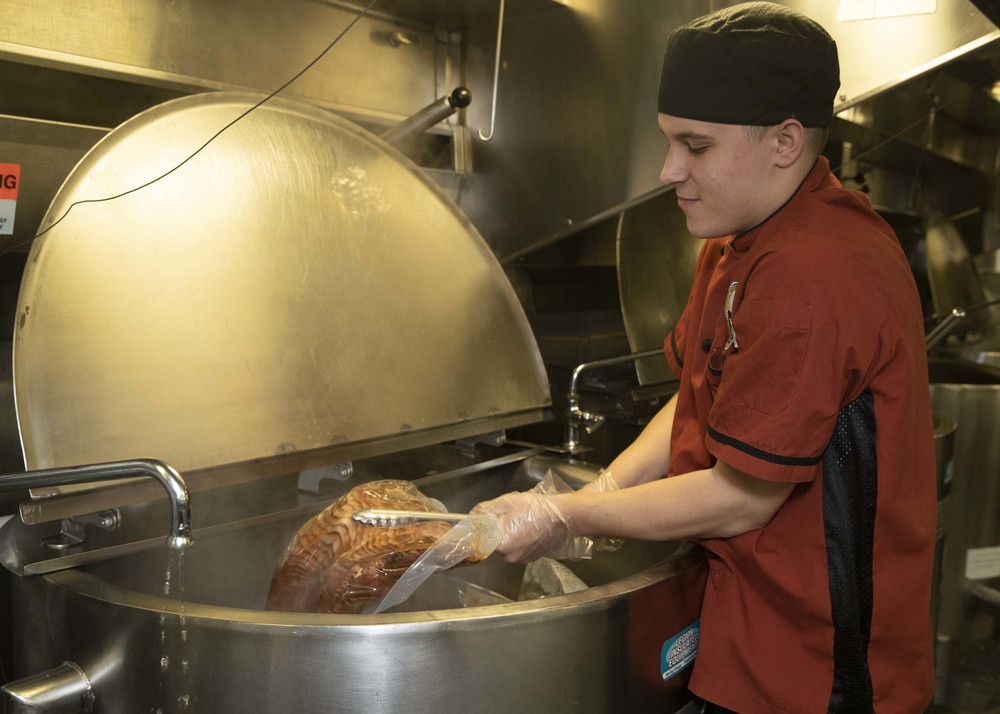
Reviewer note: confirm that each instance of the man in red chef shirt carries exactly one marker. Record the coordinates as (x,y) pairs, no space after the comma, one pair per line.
(799,449)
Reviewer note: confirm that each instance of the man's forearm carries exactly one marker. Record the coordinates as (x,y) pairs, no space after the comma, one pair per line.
(647,458)
(719,502)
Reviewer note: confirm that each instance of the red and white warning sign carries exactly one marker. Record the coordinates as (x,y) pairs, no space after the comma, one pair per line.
(10,177)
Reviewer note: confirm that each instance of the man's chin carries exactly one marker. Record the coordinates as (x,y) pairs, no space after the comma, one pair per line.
(700,231)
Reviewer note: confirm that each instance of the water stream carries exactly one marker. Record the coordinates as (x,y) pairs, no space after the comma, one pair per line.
(174,666)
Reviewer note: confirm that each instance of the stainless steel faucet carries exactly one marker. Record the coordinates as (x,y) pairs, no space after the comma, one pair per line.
(576,417)
(180,516)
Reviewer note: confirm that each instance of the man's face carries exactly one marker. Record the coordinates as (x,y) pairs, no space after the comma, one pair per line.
(723,178)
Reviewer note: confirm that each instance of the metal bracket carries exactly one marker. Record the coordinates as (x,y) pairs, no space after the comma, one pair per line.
(71,531)
(309,479)
(467,446)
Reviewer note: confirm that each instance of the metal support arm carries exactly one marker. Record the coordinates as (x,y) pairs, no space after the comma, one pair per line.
(429,115)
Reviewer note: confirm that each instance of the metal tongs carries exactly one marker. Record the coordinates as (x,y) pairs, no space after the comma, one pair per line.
(389,518)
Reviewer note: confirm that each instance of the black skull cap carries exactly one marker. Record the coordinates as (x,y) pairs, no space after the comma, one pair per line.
(756,64)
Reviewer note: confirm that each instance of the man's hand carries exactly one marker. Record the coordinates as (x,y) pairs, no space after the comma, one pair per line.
(532,527)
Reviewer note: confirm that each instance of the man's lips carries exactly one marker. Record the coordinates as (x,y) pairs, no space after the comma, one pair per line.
(684,201)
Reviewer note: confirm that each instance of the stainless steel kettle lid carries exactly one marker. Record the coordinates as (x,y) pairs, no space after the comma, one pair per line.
(297,285)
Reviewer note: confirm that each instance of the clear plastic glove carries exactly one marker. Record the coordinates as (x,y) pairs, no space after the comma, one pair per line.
(604,483)
(532,526)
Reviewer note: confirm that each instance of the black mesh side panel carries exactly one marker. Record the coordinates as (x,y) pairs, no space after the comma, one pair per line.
(850,489)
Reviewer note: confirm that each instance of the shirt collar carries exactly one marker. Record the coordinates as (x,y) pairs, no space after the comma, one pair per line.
(814,180)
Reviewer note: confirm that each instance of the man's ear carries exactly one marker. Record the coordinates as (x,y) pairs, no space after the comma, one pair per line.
(791,142)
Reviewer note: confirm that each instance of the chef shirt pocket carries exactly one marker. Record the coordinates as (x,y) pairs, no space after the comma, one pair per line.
(764,371)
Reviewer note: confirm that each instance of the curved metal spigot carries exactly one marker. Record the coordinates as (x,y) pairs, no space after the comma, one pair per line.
(180,515)
(576,417)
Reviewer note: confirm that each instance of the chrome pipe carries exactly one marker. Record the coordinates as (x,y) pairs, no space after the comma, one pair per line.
(62,690)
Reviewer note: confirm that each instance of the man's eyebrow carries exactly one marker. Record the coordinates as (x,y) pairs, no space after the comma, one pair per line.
(693,135)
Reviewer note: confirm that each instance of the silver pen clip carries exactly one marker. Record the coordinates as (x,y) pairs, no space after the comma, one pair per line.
(730,296)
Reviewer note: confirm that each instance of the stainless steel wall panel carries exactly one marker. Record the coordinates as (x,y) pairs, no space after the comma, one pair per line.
(577,135)
(245,44)
(880,53)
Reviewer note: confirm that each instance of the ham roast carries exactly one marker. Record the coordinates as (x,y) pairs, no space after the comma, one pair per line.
(336,565)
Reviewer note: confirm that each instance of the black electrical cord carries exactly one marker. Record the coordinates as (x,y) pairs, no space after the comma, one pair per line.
(197,151)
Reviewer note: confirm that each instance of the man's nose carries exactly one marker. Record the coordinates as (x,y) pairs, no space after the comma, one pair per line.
(672,171)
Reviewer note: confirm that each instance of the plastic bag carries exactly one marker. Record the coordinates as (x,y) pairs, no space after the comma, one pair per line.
(337,565)
(546,577)
(443,591)
(470,540)
(475,538)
